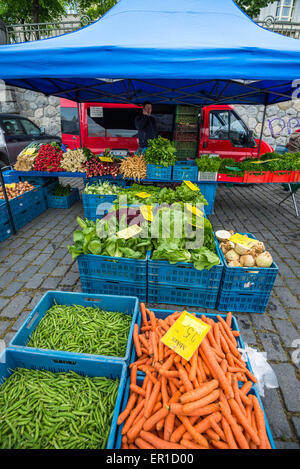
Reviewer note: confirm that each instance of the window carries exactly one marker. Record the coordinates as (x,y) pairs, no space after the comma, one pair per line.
(30,127)
(285,10)
(227,125)
(115,122)
(69,120)
(219,125)
(12,126)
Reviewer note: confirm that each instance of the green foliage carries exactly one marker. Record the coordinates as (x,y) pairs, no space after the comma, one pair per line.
(160,151)
(252,7)
(95,9)
(31,11)
(207,164)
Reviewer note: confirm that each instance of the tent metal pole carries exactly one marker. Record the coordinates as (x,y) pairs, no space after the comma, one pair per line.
(262,127)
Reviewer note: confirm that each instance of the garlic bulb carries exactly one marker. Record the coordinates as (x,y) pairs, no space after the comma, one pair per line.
(222,235)
(264,259)
(247,260)
(232,255)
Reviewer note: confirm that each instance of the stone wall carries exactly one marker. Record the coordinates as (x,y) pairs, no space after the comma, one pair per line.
(42,110)
(281,120)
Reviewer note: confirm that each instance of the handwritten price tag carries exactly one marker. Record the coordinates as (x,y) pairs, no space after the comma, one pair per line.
(243,240)
(186,334)
(106,159)
(194,210)
(146,211)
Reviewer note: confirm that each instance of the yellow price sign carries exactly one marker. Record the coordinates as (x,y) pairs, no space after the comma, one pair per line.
(237,238)
(10,186)
(129,232)
(146,211)
(186,334)
(106,159)
(191,185)
(143,195)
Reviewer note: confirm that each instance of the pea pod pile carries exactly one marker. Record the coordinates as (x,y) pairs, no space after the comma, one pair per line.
(46,410)
(82,329)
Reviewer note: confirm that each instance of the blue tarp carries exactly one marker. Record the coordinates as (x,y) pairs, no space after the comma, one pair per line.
(170,51)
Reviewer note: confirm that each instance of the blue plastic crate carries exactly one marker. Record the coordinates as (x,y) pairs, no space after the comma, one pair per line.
(114,287)
(177,295)
(49,174)
(113,268)
(125,304)
(208,189)
(30,213)
(96,206)
(182,274)
(159,172)
(26,200)
(55,201)
(10,177)
(258,280)
(242,302)
(5,225)
(185,170)
(39,180)
(58,362)
(95,179)
(140,380)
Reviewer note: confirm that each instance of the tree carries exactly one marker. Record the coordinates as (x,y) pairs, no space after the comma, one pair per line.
(31,11)
(94,9)
(253,7)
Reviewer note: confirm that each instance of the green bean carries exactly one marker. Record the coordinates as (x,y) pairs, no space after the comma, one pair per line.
(82,330)
(79,418)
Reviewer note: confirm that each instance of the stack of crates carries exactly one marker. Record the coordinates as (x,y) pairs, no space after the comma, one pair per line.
(186,132)
(245,289)
(114,275)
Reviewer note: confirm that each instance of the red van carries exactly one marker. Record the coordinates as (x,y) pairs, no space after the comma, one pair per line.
(98,126)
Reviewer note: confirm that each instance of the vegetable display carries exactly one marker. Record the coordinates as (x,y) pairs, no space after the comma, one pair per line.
(134,167)
(102,188)
(82,329)
(62,191)
(160,151)
(15,189)
(46,410)
(191,405)
(208,164)
(95,167)
(49,158)
(73,160)
(25,159)
(238,255)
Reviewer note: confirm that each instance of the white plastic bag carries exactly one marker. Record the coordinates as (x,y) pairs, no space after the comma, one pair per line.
(261,369)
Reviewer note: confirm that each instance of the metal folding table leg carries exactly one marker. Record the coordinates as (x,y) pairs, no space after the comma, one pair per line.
(291,194)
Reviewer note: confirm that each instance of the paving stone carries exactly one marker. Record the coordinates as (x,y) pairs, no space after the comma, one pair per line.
(272,346)
(20,265)
(296,423)
(245,328)
(8,337)
(36,298)
(59,253)
(262,322)
(67,260)
(3,326)
(286,331)
(295,315)
(277,419)
(49,266)
(35,281)
(60,270)
(16,306)
(50,283)
(286,445)
(275,308)
(24,248)
(7,278)
(41,259)
(3,302)
(12,289)
(289,385)
(26,275)
(70,279)
(287,298)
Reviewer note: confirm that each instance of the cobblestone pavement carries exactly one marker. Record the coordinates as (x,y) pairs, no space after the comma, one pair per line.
(36,260)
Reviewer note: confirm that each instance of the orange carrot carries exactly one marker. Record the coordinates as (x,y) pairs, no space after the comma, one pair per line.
(144,342)
(133,375)
(229,319)
(154,345)
(229,438)
(191,407)
(212,435)
(237,396)
(159,443)
(137,390)
(238,434)
(242,419)
(260,423)
(142,444)
(131,418)
(160,351)
(200,392)
(130,404)
(246,387)
(151,421)
(185,379)
(144,314)
(176,408)
(227,329)
(136,340)
(191,445)
(215,367)
(136,428)
(152,319)
(192,373)
(198,437)
(220,444)
(152,400)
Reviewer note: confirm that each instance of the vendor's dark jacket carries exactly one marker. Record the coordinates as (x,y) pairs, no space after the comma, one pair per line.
(146,127)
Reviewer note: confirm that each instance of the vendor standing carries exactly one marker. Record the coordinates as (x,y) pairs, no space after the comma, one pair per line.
(146,126)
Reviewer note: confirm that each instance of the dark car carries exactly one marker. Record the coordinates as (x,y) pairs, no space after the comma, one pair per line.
(18,133)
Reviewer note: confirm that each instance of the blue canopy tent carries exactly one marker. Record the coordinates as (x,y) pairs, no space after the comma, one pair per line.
(175,52)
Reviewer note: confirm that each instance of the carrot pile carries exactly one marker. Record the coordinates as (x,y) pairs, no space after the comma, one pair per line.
(191,405)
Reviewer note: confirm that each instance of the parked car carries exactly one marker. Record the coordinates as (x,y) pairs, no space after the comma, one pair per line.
(18,133)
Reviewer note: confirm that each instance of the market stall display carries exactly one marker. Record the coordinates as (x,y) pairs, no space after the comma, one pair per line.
(160,156)
(61,196)
(15,189)
(97,198)
(134,167)
(207,402)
